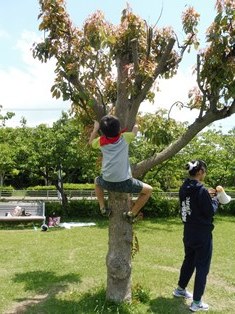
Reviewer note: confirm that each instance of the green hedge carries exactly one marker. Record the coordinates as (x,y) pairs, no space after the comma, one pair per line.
(75,209)
(228,209)
(156,207)
(6,188)
(67,186)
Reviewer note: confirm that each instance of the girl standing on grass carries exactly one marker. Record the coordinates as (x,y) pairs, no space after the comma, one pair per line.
(198,206)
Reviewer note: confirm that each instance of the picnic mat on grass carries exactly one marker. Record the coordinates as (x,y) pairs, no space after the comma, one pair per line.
(69,225)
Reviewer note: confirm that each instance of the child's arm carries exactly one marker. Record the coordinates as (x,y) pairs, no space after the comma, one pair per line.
(94,132)
(135,129)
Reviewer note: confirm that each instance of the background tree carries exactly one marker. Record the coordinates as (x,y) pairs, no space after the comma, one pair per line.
(229,145)
(54,153)
(4,118)
(218,151)
(22,169)
(156,132)
(104,68)
(7,163)
(8,153)
(6,147)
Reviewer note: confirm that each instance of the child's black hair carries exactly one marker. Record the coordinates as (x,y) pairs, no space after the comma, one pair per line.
(196,165)
(110,126)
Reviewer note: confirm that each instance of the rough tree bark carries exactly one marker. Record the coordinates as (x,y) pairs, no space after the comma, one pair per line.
(118,258)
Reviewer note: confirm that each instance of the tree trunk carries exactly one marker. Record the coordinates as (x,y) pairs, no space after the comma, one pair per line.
(64,198)
(118,258)
(1,179)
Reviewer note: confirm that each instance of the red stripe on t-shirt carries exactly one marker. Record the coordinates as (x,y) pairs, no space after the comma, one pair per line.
(110,140)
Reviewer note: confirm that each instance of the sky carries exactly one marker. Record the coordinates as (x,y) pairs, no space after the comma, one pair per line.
(25,82)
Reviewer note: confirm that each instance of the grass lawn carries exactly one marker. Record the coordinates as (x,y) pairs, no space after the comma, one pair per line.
(63,270)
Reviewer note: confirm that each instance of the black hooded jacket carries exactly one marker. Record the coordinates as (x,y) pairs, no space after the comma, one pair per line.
(197,206)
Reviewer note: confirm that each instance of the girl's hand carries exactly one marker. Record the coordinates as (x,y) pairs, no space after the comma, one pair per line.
(212,192)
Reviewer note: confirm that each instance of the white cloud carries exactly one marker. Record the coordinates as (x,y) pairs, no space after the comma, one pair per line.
(171,91)
(4,34)
(176,89)
(25,90)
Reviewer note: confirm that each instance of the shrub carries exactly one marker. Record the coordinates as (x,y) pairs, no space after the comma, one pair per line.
(6,188)
(67,186)
(75,209)
(228,209)
(158,206)
(54,209)
(6,191)
(83,208)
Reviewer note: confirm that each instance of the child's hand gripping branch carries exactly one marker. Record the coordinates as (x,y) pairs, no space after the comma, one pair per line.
(94,132)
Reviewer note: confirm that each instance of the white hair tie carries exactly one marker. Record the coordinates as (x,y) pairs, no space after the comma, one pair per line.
(192,165)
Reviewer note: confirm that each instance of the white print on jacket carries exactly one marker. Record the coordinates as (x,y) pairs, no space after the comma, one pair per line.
(186,209)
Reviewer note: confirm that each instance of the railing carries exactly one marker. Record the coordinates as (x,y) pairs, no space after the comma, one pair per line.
(71,194)
(45,194)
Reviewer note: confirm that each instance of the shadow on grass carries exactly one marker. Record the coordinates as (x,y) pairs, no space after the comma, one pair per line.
(44,286)
(94,302)
(90,302)
(52,295)
(40,281)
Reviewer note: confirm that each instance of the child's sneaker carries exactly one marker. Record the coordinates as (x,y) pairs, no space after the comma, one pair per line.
(182,293)
(194,307)
(105,212)
(131,218)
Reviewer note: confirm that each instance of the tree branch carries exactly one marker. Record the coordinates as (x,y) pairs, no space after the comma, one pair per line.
(184,47)
(136,101)
(140,169)
(135,56)
(98,109)
(158,70)
(122,103)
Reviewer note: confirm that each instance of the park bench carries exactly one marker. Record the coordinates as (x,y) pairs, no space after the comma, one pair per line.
(34,211)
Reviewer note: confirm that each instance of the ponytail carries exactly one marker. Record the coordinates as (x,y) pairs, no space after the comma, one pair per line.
(194,166)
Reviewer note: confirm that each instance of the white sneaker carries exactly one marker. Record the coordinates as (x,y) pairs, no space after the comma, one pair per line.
(182,293)
(199,307)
